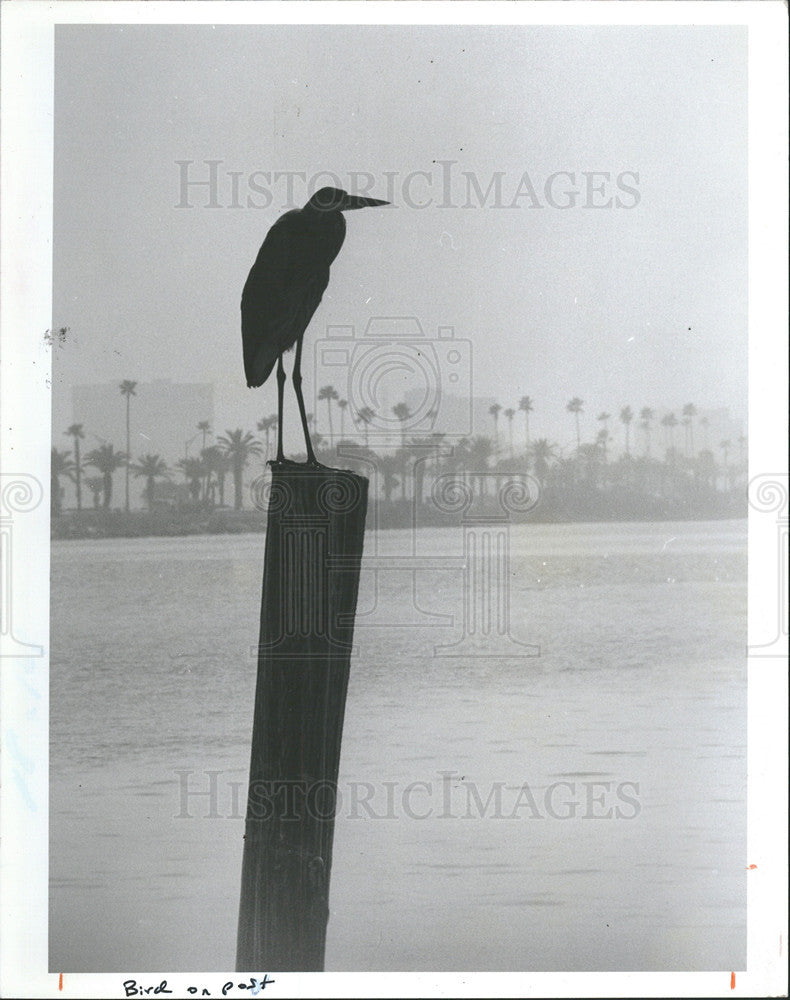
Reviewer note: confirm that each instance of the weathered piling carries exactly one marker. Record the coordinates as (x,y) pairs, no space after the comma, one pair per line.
(315,529)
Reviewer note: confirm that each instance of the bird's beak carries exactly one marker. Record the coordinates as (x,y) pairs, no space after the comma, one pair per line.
(354,201)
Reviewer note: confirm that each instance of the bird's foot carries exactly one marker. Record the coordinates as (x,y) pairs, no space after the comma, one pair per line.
(288,463)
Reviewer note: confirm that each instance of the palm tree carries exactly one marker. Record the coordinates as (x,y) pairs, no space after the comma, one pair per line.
(150,468)
(495,410)
(725,447)
(239,447)
(216,462)
(525,405)
(575,406)
(76,432)
(267,425)
(419,466)
(388,465)
(603,434)
(601,443)
(626,416)
(61,464)
(437,437)
(480,451)
(207,462)
(193,470)
(95,484)
(106,460)
(670,422)
(343,404)
(705,468)
(205,428)
(689,412)
(646,415)
(328,392)
(704,424)
(457,458)
(127,388)
(402,456)
(589,458)
(365,416)
(665,425)
(401,411)
(510,413)
(542,454)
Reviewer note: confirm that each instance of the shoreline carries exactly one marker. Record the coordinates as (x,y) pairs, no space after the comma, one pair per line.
(402,515)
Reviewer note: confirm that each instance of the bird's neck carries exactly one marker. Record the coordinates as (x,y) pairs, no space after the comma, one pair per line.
(319,214)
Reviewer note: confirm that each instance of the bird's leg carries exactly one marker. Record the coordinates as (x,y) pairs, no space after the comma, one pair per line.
(280,390)
(297,380)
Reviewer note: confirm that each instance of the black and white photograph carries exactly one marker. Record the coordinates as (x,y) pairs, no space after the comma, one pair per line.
(394,499)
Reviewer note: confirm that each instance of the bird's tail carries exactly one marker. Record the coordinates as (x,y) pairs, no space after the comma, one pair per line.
(260,357)
(259,368)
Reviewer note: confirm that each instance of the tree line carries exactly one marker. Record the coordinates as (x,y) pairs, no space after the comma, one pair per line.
(687,461)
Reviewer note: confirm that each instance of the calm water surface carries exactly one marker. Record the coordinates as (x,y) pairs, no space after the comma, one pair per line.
(583,808)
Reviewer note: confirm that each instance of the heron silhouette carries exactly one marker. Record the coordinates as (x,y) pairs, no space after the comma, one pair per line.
(284,288)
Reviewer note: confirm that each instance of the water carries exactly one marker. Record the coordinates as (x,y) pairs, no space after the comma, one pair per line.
(635,706)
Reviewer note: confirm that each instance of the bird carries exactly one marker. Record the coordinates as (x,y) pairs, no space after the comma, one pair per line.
(284,288)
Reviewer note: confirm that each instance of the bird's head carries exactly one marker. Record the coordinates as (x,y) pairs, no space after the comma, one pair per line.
(331,199)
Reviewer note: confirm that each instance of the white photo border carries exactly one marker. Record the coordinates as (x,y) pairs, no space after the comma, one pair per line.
(25,380)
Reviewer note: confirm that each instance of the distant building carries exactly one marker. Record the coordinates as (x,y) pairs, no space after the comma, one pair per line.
(164,417)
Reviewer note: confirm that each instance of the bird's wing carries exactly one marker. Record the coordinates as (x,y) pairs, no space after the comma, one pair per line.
(281,294)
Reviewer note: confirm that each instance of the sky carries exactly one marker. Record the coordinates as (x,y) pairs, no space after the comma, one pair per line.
(633,294)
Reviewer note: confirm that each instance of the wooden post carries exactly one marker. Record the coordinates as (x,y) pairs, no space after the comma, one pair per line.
(314,535)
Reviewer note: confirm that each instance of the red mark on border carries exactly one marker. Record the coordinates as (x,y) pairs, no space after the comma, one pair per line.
(60,981)
(732,980)
(750,868)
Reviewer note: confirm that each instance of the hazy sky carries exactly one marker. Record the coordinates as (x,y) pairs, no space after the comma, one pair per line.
(643,304)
